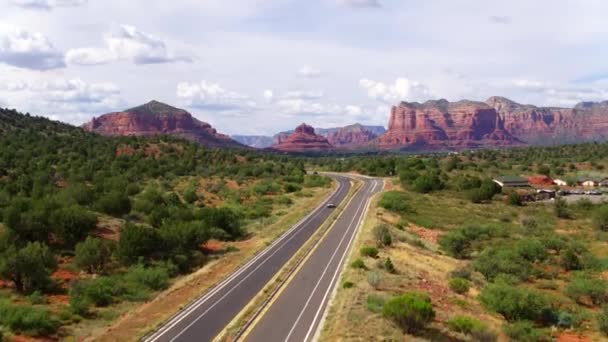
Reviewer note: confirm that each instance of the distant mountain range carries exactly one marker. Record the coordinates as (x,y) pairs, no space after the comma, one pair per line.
(351,136)
(432,125)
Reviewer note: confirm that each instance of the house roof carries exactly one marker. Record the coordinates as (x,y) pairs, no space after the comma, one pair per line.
(511,179)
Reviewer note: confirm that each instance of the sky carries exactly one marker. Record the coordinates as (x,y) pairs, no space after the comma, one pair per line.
(262,66)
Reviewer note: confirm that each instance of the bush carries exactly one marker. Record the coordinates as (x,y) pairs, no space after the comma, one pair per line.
(465,324)
(27,319)
(374,279)
(512,302)
(411,311)
(72,224)
(494,261)
(371,252)
(428,183)
(463,272)
(460,242)
(358,264)
(459,285)
(29,268)
(114,203)
(514,199)
(154,278)
(389,266)
(582,286)
(602,320)
(524,331)
(348,285)
(600,219)
(531,250)
(382,235)
(92,254)
(135,242)
(561,209)
(396,201)
(374,303)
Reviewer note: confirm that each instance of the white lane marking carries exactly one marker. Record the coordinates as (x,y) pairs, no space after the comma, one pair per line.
(177,319)
(332,284)
(235,286)
(322,275)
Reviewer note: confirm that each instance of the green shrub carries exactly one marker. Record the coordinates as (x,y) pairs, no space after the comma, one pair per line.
(92,254)
(514,199)
(29,320)
(428,183)
(463,272)
(374,303)
(600,219)
(602,320)
(72,224)
(367,251)
(411,311)
(114,203)
(561,209)
(284,200)
(358,264)
(348,284)
(512,302)
(389,266)
(316,181)
(465,324)
(532,250)
(396,201)
(460,242)
(154,278)
(525,331)
(494,261)
(374,279)
(382,235)
(29,267)
(459,285)
(583,286)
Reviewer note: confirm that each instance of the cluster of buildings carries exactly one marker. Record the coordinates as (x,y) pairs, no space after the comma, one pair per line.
(544,187)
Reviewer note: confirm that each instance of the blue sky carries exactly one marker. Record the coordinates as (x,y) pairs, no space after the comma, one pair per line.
(263,66)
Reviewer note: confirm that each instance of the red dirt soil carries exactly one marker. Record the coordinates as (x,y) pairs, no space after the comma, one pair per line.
(425,234)
(570,337)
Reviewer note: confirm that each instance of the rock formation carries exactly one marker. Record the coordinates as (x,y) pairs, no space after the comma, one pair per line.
(156,118)
(352,136)
(441,124)
(497,122)
(303,139)
(587,121)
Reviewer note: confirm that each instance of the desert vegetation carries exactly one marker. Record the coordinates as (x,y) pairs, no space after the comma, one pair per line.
(90,222)
(530,271)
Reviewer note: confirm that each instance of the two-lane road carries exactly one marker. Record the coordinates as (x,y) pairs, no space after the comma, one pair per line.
(203,319)
(298,310)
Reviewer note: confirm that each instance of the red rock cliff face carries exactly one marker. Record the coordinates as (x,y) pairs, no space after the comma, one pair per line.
(441,124)
(155,118)
(303,139)
(587,121)
(353,136)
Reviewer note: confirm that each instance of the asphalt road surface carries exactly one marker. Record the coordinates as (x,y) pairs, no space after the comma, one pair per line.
(206,317)
(297,312)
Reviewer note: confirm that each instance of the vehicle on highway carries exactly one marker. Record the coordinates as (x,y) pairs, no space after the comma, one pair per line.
(331,205)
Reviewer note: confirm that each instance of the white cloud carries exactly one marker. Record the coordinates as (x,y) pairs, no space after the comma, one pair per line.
(125,43)
(500,19)
(212,97)
(268,95)
(353,110)
(402,89)
(361,3)
(28,50)
(304,94)
(48,4)
(559,94)
(309,72)
(78,91)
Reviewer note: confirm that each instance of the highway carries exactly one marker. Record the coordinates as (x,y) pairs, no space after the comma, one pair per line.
(206,317)
(298,310)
